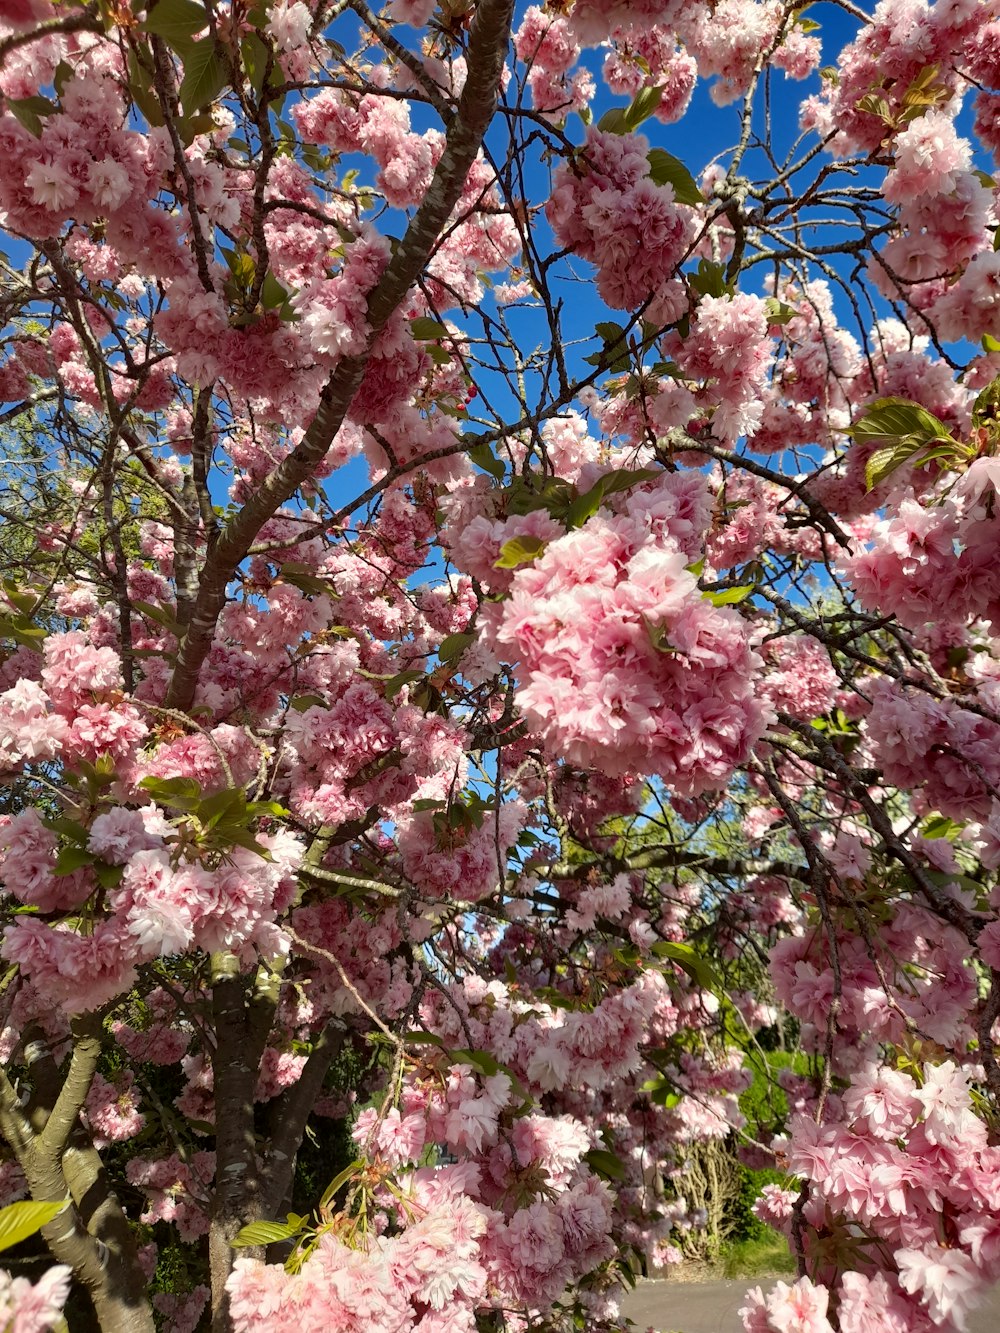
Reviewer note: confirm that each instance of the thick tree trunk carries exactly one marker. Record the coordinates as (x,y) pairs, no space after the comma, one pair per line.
(91,1234)
(235,1064)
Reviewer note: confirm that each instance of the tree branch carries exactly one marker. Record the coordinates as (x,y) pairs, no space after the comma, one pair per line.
(76,1085)
(236,1200)
(291,1112)
(487,48)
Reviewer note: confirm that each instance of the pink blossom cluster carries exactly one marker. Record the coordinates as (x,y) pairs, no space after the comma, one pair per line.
(182,1312)
(27,1307)
(606,209)
(546,46)
(908,1164)
(651,58)
(443,858)
(176,1191)
(729,351)
(724,40)
(160,903)
(453,1257)
(157,909)
(903,39)
(934,746)
(915,972)
(624,666)
(933,562)
(799,676)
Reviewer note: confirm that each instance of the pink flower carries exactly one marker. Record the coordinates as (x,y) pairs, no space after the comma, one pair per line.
(929,156)
(799,1308)
(946,1281)
(871,1305)
(52,185)
(289,24)
(27,1308)
(947,1105)
(883,1101)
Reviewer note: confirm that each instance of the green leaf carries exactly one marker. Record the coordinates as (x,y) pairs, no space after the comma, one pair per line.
(698,968)
(645,102)
(302,702)
(69,828)
(944,879)
(777,311)
(884,462)
(925,90)
(481,1060)
(623,120)
(940,826)
(621,479)
(205,76)
(302,577)
(159,615)
(624,478)
(526,494)
(22,631)
(339,1180)
(140,89)
(519,551)
(425,328)
(264,1233)
(241,265)
(606,1164)
(179,793)
(893,419)
(273,808)
(986,408)
(29,111)
(395,683)
(255,56)
(21,599)
(71,859)
(454,645)
(272,294)
(729,596)
(875,106)
(483,457)
(109,877)
(904,429)
(659,637)
(610,332)
(228,804)
(615,352)
(990,343)
(661,1091)
(585,506)
(18,1221)
(62,76)
(709,279)
(665,169)
(242,837)
(614,121)
(176,21)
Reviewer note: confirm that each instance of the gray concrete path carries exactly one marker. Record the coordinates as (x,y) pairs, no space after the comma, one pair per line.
(710,1307)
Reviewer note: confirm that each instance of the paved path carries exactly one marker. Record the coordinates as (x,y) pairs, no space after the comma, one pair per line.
(710,1307)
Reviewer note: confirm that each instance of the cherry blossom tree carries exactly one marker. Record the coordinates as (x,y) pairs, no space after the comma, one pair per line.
(497,634)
